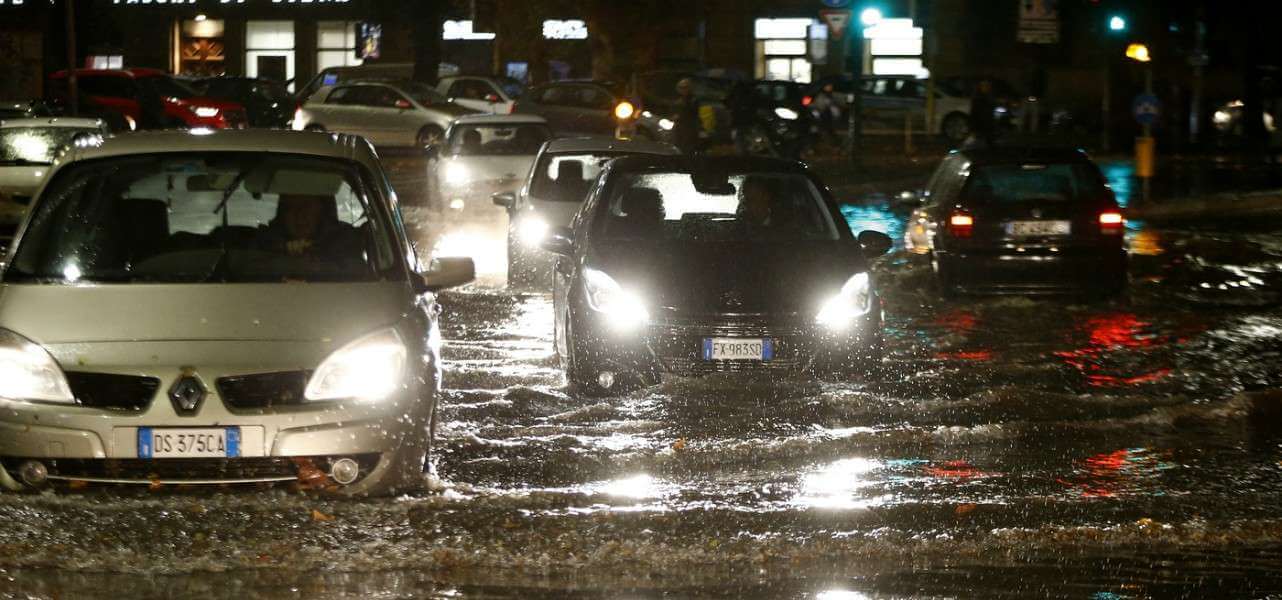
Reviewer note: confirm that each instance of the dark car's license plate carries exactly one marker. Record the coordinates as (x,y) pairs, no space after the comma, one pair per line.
(738,349)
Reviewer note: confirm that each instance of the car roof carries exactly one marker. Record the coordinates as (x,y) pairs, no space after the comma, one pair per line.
(1024,154)
(605,144)
(712,163)
(52,122)
(325,145)
(488,119)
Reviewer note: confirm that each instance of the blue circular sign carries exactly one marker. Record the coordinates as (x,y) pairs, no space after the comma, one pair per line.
(1146,108)
(835,3)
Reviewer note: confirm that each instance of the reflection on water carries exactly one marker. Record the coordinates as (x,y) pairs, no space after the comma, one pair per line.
(837,484)
(1122,472)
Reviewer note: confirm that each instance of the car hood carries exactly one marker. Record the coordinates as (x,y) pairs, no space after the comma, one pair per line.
(23,180)
(692,279)
(50,314)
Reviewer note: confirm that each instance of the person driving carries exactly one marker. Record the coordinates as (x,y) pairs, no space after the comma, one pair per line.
(756,208)
(308,225)
(470,143)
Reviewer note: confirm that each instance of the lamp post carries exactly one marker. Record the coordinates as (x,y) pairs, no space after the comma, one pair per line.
(868,17)
(1145,147)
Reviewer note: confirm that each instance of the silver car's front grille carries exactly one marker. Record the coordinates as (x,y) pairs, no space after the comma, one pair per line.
(112,391)
(263,390)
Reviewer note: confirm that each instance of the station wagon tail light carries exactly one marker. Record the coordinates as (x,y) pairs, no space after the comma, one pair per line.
(961,224)
(1111,222)
(28,372)
(370,368)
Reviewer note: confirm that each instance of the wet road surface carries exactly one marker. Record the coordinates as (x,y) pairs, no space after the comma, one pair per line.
(1129,448)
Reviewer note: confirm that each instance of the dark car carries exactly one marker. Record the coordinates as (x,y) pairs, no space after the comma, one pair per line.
(690,266)
(579,108)
(1021,220)
(268,103)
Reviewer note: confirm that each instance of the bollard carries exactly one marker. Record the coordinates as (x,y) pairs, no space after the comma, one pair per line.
(1145,157)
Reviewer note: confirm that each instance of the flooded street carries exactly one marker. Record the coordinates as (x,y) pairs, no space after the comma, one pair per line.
(1010,447)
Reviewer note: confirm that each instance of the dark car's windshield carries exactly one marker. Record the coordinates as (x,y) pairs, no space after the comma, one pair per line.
(566,177)
(1013,183)
(37,145)
(758,206)
(498,139)
(197,218)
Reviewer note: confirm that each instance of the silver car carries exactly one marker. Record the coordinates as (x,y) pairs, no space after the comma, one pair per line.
(486,94)
(554,189)
(27,149)
(219,307)
(389,114)
(483,155)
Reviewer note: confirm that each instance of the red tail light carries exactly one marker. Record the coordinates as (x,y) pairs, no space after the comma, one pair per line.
(512,110)
(806,100)
(1111,221)
(961,225)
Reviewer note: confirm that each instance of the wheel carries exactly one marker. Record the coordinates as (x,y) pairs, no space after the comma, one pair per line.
(429,135)
(580,370)
(945,278)
(956,128)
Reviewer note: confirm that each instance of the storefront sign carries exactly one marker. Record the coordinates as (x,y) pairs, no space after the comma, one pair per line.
(573,29)
(369,40)
(1038,22)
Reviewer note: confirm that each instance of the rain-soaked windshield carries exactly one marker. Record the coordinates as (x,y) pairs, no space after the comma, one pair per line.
(565,177)
(204,218)
(760,206)
(38,145)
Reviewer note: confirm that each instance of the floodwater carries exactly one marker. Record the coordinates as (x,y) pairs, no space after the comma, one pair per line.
(1009,447)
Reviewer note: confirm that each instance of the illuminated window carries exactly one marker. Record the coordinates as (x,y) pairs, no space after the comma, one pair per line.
(269,49)
(336,44)
(782,48)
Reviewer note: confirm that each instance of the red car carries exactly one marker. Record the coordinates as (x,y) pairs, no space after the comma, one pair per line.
(119,90)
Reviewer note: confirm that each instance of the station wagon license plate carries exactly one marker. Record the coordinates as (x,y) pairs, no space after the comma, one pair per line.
(738,349)
(1038,228)
(167,442)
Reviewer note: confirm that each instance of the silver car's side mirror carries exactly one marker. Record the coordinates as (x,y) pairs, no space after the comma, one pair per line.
(446,273)
(504,199)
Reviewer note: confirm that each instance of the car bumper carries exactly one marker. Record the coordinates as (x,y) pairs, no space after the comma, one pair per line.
(1035,270)
(676,346)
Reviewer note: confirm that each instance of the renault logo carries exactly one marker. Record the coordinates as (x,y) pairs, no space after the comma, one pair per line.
(732,299)
(187,393)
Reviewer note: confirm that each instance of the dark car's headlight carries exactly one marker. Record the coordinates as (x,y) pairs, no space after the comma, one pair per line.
(853,301)
(370,368)
(29,372)
(624,310)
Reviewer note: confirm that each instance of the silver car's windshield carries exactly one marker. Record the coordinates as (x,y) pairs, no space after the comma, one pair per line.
(36,145)
(743,207)
(498,139)
(203,218)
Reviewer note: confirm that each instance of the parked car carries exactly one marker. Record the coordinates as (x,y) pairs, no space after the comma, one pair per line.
(15,109)
(483,155)
(1020,220)
(888,99)
(241,307)
(554,190)
(375,71)
(688,266)
(124,91)
(28,148)
(494,95)
(268,103)
(389,114)
(580,107)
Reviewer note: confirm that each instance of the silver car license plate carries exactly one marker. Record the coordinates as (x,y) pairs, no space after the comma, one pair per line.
(173,442)
(1038,228)
(738,349)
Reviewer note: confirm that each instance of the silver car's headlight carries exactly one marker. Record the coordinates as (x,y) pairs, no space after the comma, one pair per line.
(370,368)
(853,301)
(28,372)
(532,230)
(625,310)
(457,174)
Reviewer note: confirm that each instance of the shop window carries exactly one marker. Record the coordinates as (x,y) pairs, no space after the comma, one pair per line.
(782,49)
(106,61)
(201,49)
(336,44)
(269,49)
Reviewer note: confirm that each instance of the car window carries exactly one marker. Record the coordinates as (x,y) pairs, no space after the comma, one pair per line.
(109,86)
(470,89)
(757,207)
(1015,183)
(593,98)
(567,177)
(37,145)
(204,218)
(555,96)
(497,139)
(380,97)
(423,94)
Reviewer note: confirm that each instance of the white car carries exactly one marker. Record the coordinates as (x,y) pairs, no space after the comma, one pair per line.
(553,191)
(209,308)
(486,94)
(483,155)
(388,114)
(27,149)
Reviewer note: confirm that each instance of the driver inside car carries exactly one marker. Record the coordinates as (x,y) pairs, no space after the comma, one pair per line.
(307,225)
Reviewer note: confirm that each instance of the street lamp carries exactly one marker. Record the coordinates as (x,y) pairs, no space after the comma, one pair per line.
(1138,52)
(1117,23)
(870,16)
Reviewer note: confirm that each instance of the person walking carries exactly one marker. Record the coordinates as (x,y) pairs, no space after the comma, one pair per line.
(687,125)
(742,104)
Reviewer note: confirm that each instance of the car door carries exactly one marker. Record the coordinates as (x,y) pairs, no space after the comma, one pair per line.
(333,109)
(375,112)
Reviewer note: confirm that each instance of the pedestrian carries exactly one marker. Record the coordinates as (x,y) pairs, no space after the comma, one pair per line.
(983,121)
(687,125)
(742,104)
(824,104)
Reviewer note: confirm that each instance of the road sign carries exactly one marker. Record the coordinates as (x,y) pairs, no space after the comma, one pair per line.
(836,3)
(1146,108)
(837,20)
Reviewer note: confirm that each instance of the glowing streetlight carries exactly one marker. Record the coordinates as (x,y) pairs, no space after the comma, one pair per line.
(870,16)
(1117,23)
(1138,52)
